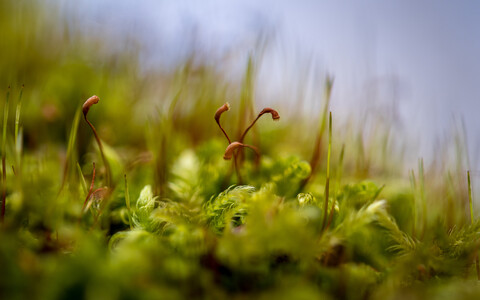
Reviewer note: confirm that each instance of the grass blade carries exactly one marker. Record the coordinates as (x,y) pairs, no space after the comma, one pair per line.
(4,151)
(327,183)
(470,200)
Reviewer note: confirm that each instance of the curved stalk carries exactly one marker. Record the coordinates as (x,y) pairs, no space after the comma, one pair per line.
(86,107)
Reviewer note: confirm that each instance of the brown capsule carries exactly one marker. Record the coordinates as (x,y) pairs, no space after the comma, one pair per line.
(268,110)
(225,107)
(231,148)
(90,101)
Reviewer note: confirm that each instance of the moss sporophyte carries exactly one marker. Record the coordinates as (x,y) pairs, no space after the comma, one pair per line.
(85,108)
(233,147)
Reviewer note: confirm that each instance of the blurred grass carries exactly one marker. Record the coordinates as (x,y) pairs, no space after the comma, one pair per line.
(182,228)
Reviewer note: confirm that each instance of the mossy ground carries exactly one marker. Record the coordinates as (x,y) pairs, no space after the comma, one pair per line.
(175,221)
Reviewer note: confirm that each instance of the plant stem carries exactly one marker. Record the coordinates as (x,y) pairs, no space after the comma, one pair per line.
(90,190)
(100,146)
(127,203)
(70,150)
(248,128)
(414,204)
(421,176)
(4,153)
(470,200)
(339,172)
(327,183)
(17,118)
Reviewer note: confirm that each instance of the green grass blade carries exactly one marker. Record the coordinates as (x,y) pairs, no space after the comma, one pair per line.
(82,179)
(414,204)
(470,198)
(127,202)
(17,116)
(421,176)
(5,122)
(4,152)
(327,182)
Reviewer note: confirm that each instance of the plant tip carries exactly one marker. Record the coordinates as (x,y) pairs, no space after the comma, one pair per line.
(274,113)
(230,149)
(225,107)
(90,101)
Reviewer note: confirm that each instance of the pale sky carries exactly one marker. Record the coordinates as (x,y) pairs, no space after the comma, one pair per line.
(424,55)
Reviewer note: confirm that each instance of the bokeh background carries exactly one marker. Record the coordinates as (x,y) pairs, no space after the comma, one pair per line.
(412,65)
(163,199)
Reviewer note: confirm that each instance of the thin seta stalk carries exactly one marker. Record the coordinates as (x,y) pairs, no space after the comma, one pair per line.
(4,154)
(230,151)
(275,117)
(470,201)
(267,110)
(226,107)
(327,180)
(234,147)
(86,107)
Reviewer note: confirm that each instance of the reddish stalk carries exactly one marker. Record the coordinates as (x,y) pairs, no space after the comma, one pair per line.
(234,148)
(226,107)
(86,107)
(275,117)
(230,151)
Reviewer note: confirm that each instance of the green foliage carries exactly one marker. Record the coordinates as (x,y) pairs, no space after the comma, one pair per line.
(172,224)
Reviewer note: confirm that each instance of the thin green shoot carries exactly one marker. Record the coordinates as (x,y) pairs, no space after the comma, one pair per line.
(327,181)
(338,183)
(70,149)
(378,193)
(90,191)
(17,119)
(82,179)
(5,122)
(470,200)
(422,195)
(414,202)
(4,152)
(450,209)
(127,203)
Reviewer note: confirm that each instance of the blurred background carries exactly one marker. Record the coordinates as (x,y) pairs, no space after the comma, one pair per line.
(403,81)
(411,65)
